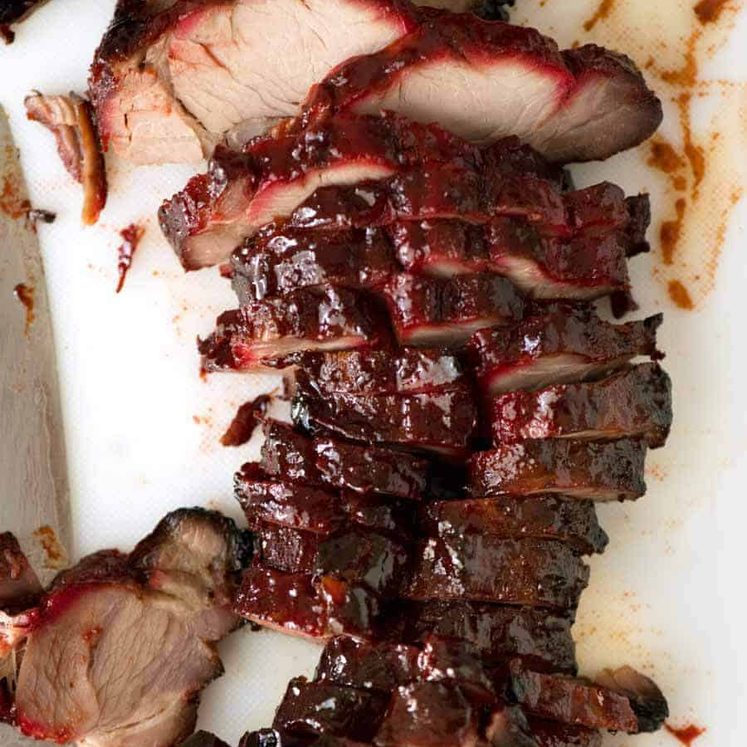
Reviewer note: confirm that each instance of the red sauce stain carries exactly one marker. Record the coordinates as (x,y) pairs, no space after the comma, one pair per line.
(131,237)
(709,11)
(687,734)
(247,418)
(602,12)
(680,295)
(694,153)
(11,202)
(25,294)
(665,158)
(56,556)
(670,232)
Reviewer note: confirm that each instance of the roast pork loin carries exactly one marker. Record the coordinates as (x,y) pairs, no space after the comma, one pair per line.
(581,104)
(124,644)
(603,471)
(170,80)
(632,403)
(313,318)
(558,343)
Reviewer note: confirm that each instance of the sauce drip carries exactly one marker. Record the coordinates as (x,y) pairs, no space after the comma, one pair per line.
(246,420)
(25,294)
(709,11)
(602,12)
(687,734)
(55,553)
(680,295)
(11,203)
(130,239)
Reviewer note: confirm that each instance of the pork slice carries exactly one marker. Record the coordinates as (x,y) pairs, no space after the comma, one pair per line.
(318,318)
(203,739)
(302,605)
(483,568)
(242,192)
(632,403)
(281,262)
(70,120)
(554,734)
(539,636)
(538,517)
(429,714)
(605,471)
(441,422)
(446,311)
(170,80)
(125,643)
(575,701)
(268,499)
(310,708)
(579,267)
(454,69)
(399,371)
(557,344)
(289,455)
(646,699)
(288,549)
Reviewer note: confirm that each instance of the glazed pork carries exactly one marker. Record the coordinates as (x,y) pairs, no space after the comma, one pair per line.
(558,343)
(330,462)
(599,471)
(581,104)
(70,120)
(634,403)
(314,318)
(13,12)
(170,80)
(124,644)
(542,573)
(445,311)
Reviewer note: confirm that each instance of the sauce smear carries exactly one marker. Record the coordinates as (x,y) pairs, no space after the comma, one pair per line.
(687,734)
(25,294)
(130,239)
(680,295)
(709,11)
(246,420)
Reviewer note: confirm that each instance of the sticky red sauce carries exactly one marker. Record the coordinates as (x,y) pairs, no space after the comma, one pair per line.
(686,734)
(709,11)
(131,237)
(680,295)
(25,294)
(670,232)
(246,420)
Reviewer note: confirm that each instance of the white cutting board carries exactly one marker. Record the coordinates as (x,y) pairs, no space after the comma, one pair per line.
(142,428)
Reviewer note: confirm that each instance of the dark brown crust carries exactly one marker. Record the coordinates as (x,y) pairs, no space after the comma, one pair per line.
(19,586)
(576,702)
(541,517)
(559,329)
(607,471)
(534,572)
(630,404)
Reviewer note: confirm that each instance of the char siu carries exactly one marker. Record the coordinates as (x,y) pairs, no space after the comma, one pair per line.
(13,12)
(581,104)
(541,517)
(318,318)
(560,343)
(440,422)
(582,469)
(70,120)
(169,81)
(632,403)
(203,739)
(483,568)
(124,644)
(445,311)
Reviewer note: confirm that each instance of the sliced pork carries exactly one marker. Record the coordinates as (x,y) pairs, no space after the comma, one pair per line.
(560,343)
(445,311)
(497,632)
(203,739)
(332,462)
(432,174)
(583,469)
(483,568)
(582,702)
(170,80)
(318,318)
(581,104)
(633,403)
(125,643)
(70,120)
(542,517)
(13,12)
(441,422)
